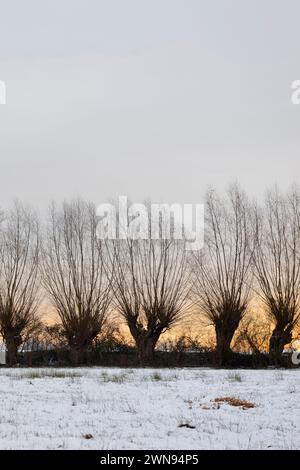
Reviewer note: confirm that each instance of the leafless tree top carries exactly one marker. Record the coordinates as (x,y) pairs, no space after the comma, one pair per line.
(74,267)
(223,268)
(151,281)
(277,255)
(19,258)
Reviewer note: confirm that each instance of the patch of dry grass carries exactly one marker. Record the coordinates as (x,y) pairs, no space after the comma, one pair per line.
(46,373)
(232,401)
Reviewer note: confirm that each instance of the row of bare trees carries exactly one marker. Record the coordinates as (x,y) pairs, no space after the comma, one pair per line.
(154,283)
(250,250)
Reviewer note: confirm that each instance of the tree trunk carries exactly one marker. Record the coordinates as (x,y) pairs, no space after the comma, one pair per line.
(11,350)
(281,336)
(224,335)
(77,355)
(146,345)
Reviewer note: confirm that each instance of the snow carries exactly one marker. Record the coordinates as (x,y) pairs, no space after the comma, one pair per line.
(2,357)
(143,409)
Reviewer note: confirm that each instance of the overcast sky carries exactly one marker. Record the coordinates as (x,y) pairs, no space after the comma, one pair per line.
(147,98)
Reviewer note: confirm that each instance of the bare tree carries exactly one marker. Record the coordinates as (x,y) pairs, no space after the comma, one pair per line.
(19,258)
(252,336)
(277,264)
(151,286)
(222,270)
(74,274)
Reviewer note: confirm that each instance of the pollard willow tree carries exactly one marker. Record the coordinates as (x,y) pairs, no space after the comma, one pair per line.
(277,264)
(74,274)
(222,269)
(19,262)
(151,285)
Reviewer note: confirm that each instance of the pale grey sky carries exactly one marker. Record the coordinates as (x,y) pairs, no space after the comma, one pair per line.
(148,98)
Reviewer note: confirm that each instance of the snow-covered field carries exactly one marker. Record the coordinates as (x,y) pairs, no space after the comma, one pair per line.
(103,408)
